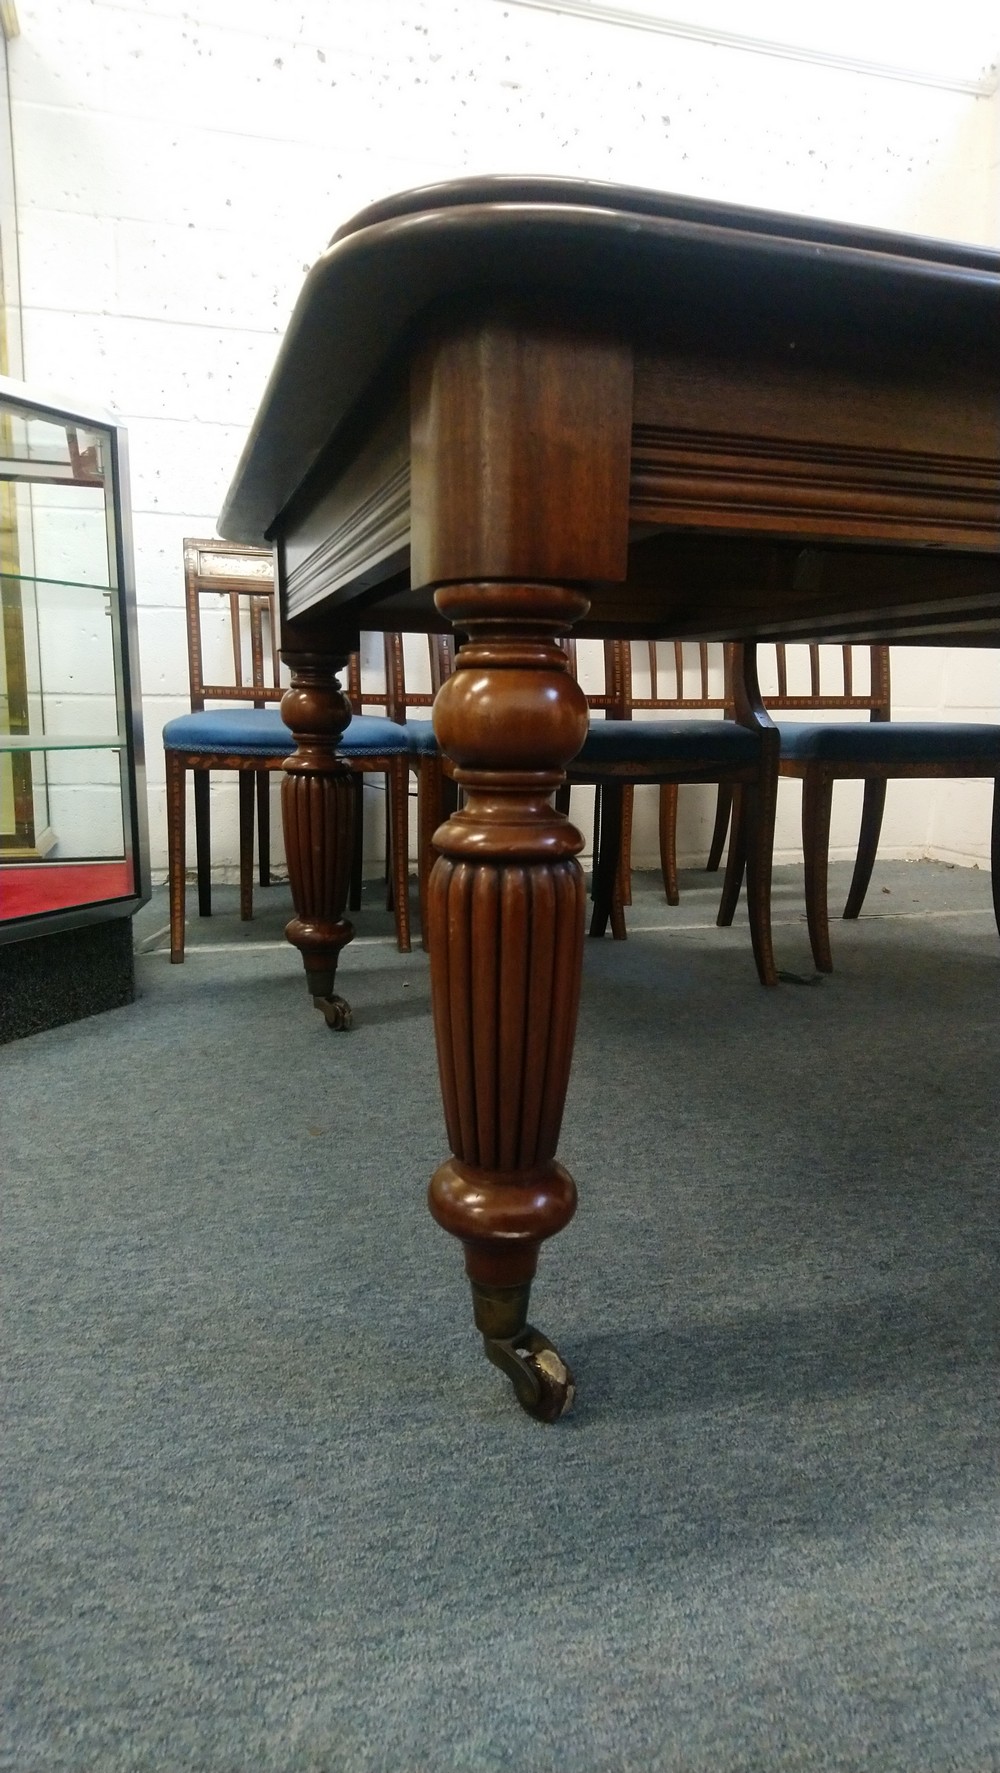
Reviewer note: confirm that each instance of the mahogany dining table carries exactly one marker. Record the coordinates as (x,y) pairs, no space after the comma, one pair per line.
(516,407)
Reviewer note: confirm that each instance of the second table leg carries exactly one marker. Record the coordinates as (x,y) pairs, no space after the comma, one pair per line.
(317,807)
(505,914)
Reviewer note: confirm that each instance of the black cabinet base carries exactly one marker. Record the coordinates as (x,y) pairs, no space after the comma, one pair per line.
(64,976)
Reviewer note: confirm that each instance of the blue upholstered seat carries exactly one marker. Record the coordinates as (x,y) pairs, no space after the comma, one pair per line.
(261,732)
(648,742)
(905,742)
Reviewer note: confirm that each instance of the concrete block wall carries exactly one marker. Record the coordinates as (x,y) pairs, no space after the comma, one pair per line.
(179,167)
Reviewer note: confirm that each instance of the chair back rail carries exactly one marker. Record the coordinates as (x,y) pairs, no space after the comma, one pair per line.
(670,680)
(820,698)
(240,580)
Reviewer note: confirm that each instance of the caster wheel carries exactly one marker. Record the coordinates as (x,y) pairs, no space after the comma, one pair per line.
(337,1012)
(556,1387)
(543,1382)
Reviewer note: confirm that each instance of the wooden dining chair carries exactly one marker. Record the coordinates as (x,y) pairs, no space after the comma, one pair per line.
(781,695)
(237,583)
(622,751)
(695,678)
(683,676)
(875,750)
(610,701)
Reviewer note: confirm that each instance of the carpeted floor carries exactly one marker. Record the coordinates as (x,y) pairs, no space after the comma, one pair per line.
(268,1510)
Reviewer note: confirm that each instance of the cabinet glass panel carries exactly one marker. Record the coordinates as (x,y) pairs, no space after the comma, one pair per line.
(68,801)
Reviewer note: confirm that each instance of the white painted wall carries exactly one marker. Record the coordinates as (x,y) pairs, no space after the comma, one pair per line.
(180,164)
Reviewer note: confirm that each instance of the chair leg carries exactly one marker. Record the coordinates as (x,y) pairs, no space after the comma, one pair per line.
(430,806)
(995,851)
(263,828)
(595,847)
(668,841)
(606,896)
(871,826)
(203,841)
(817,801)
(398,800)
(390,904)
(246,781)
(723,810)
(760,805)
(625,848)
(736,861)
(176,835)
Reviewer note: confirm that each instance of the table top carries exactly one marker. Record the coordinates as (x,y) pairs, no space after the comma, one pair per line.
(639,260)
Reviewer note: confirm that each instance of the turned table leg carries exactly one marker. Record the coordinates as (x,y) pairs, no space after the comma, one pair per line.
(505,916)
(317,807)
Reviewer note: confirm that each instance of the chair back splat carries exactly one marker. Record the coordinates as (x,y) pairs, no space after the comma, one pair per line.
(237,583)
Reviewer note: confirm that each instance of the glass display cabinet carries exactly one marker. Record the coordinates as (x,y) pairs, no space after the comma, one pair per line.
(73,850)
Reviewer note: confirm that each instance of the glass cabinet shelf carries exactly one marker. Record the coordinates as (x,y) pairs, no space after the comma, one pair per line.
(61,742)
(72,794)
(63,584)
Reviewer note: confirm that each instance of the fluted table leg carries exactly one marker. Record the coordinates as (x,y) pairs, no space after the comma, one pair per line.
(505,914)
(317,807)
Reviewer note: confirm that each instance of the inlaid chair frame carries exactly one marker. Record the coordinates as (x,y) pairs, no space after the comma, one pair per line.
(875,751)
(240,581)
(622,751)
(433,796)
(254,741)
(874,702)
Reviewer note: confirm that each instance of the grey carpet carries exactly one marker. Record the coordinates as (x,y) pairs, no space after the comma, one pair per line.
(266,1507)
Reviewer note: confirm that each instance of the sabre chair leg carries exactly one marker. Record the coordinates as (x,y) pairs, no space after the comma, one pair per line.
(203,840)
(760,807)
(723,811)
(625,848)
(736,861)
(317,804)
(817,803)
(871,827)
(668,841)
(995,851)
(505,913)
(606,890)
(430,814)
(246,781)
(398,856)
(595,847)
(264,828)
(176,838)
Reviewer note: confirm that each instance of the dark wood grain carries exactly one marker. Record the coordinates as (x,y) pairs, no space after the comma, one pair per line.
(543,408)
(505,910)
(318,806)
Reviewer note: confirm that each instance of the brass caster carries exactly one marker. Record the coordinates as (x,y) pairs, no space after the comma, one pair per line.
(337,1012)
(543,1383)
